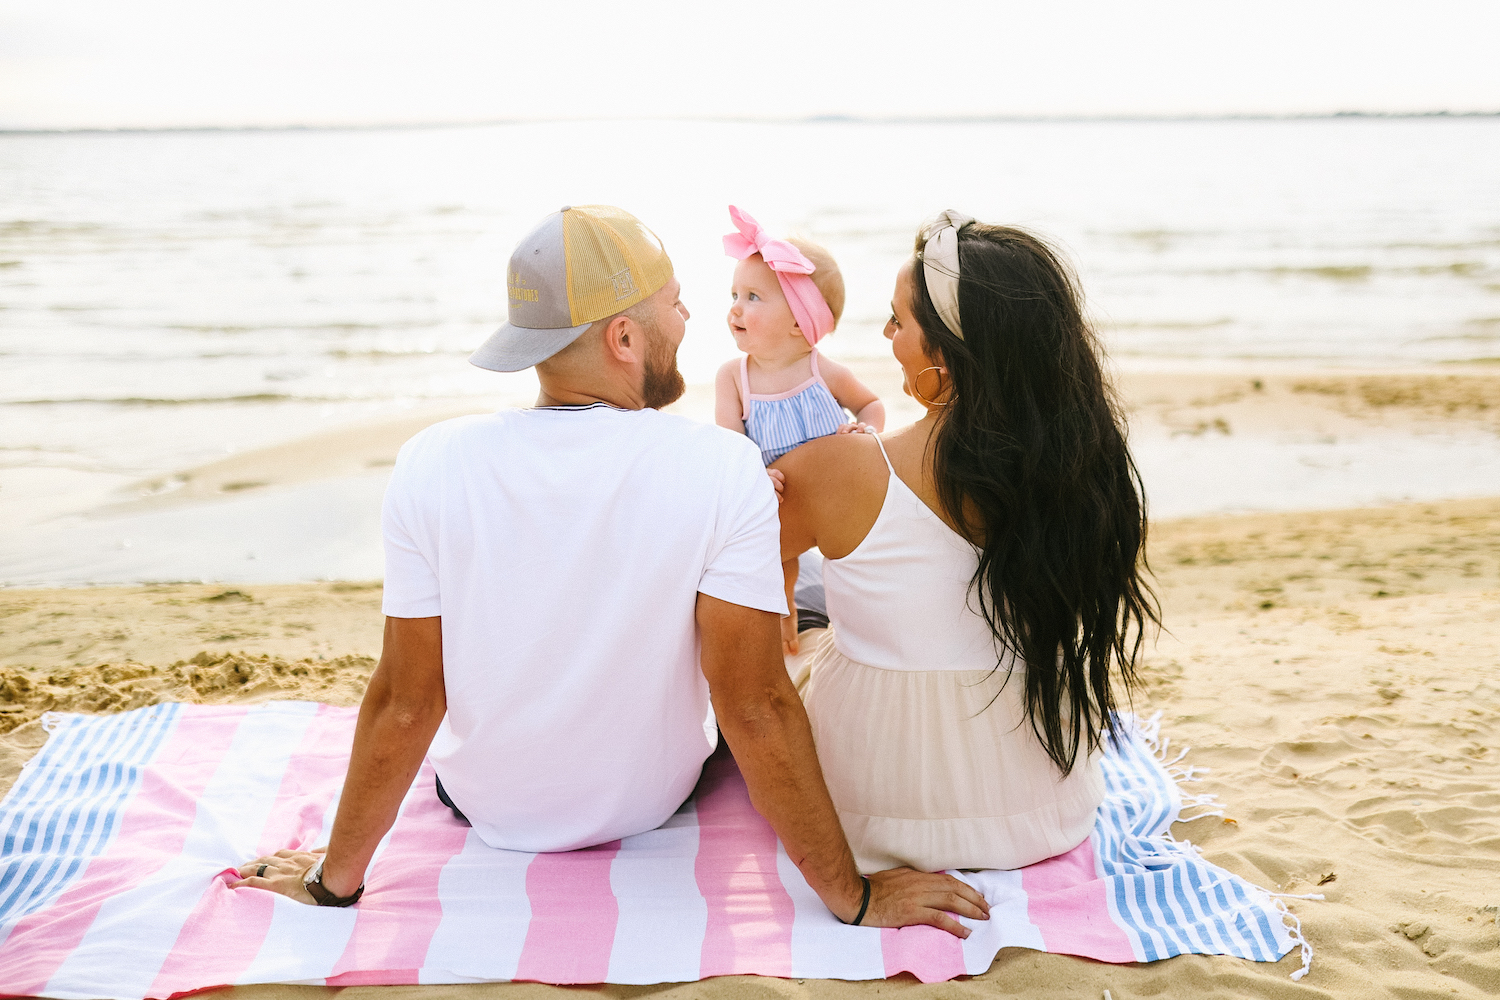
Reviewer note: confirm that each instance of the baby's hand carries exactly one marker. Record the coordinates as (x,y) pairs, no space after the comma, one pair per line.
(856,428)
(778,480)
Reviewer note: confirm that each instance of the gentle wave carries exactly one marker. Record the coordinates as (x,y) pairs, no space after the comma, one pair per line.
(267,271)
(257,397)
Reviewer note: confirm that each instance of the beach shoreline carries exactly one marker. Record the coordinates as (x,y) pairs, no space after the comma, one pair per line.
(1207,442)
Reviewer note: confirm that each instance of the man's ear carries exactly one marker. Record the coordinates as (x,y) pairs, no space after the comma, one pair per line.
(624,340)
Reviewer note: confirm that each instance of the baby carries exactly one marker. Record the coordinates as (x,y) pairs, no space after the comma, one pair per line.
(785,297)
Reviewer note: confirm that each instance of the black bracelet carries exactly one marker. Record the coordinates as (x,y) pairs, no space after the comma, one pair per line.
(864,903)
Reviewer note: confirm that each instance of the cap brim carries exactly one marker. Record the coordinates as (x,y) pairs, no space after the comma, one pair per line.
(516,348)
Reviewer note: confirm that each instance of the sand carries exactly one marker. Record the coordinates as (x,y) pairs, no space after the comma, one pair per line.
(1337,670)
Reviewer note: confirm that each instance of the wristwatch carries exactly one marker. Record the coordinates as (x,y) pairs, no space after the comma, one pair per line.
(313,883)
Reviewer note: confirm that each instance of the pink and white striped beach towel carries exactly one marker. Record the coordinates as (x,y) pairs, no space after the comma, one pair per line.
(120,837)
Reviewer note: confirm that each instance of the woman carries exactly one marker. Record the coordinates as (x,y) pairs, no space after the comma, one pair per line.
(983,569)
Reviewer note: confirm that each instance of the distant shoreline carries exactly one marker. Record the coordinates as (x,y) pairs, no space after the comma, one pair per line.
(806,120)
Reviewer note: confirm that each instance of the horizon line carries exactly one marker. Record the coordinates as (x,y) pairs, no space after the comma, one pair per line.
(822,119)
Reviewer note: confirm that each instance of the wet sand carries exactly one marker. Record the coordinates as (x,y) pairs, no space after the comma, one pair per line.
(1261,439)
(1170,404)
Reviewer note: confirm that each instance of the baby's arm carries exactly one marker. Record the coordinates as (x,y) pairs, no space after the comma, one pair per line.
(852,394)
(728,407)
(790,644)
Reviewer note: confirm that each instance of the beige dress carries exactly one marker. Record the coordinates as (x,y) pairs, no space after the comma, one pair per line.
(924,743)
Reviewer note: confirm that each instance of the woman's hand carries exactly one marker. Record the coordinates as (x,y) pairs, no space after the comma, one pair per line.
(901,897)
(280,872)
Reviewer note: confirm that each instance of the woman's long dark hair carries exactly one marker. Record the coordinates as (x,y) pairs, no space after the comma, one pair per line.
(1030,458)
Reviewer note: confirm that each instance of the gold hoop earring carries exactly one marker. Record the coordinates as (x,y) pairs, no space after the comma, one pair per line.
(918,392)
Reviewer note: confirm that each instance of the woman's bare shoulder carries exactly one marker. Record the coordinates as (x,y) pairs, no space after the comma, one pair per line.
(835,486)
(835,470)
(832,457)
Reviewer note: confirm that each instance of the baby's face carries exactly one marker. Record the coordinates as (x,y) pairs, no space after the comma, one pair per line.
(759,317)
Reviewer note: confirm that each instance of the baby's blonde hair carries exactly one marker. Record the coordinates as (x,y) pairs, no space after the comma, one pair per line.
(827,276)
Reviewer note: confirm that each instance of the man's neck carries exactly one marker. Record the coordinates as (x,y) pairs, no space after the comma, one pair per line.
(562,394)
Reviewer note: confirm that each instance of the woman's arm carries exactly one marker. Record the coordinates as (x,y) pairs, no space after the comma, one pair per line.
(852,394)
(728,407)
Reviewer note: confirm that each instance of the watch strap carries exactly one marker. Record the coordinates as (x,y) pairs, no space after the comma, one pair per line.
(321,894)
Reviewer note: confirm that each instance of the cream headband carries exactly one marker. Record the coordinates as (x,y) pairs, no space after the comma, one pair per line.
(939,259)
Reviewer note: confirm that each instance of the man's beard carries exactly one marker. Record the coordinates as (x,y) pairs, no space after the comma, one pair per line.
(663,384)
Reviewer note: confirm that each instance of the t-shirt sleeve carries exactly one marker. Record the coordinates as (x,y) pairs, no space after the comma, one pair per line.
(411,580)
(746,569)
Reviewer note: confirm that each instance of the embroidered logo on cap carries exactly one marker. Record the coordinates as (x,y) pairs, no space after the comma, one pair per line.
(624,284)
(519,292)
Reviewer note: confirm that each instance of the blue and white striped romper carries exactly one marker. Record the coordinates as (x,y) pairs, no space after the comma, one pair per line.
(781,422)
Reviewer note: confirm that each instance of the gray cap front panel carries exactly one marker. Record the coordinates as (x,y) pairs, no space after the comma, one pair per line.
(536,282)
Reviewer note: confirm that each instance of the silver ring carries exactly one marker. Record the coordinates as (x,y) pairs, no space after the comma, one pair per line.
(260,872)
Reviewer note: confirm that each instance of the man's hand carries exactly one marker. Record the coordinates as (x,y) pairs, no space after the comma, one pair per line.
(901,897)
(778,482)
(281,872)
(403,705)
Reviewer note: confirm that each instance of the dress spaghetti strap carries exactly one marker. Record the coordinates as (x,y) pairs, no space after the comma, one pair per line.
(883,455)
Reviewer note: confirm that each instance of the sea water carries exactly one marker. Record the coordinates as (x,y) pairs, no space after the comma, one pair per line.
(169,298)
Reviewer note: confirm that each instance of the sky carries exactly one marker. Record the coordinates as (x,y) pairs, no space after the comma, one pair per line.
(232,63)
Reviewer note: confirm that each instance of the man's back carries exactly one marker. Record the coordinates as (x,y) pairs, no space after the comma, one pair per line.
(564,549)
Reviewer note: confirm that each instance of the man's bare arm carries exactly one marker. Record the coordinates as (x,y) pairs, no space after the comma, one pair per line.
(401,711)
(766,727)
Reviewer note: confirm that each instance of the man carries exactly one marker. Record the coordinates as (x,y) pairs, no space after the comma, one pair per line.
(569,587)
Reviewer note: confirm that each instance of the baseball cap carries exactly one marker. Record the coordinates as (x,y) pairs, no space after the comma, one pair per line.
(583,263)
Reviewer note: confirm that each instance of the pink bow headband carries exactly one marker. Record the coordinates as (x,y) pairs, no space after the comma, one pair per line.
(792,268)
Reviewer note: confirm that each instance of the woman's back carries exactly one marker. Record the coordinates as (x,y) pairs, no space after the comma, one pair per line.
(901,598)
(920,720)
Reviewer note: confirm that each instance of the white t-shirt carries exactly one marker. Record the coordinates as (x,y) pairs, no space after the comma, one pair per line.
(565,550)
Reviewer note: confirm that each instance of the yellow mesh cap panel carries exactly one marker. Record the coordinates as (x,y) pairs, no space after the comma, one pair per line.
(613,261)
